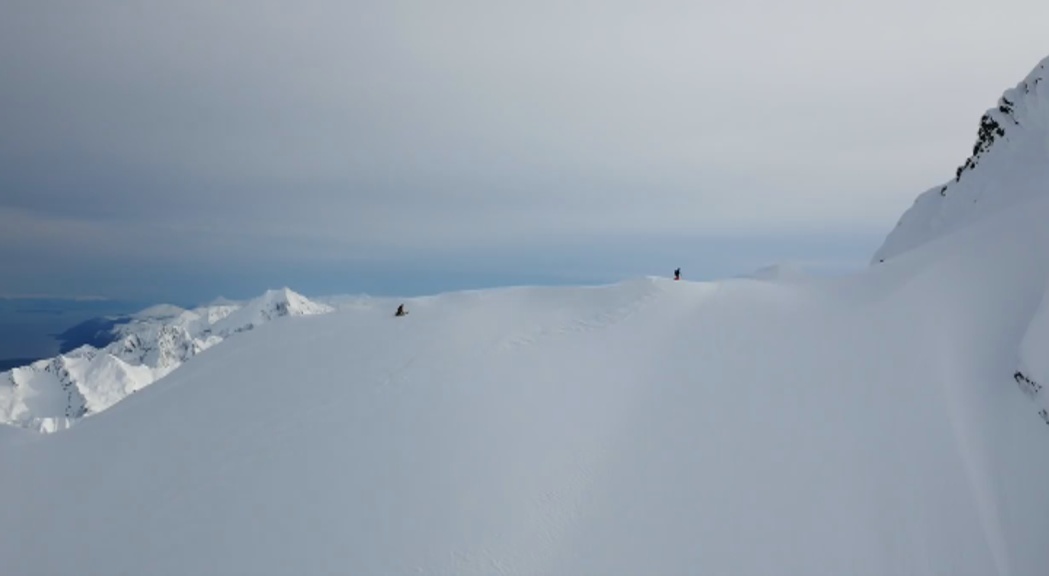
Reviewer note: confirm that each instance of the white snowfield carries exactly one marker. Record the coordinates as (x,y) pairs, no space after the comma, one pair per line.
(871,424)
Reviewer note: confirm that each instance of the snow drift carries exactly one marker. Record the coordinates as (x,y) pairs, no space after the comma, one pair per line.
(868,424)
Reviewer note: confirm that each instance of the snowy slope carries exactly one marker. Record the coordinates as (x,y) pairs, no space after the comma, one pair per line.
(1008,168)
(1033,362)
(871,424)
(1009,164)
(859,425)
(53,394)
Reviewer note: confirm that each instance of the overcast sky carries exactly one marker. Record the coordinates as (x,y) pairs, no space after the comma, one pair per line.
(145,143)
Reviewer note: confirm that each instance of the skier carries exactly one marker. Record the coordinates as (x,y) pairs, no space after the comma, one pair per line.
(401,311)
(677,274)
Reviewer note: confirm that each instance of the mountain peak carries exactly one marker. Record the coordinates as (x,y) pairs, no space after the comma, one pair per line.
(1009,163)
(1021,107)
(270,305)
(52,394)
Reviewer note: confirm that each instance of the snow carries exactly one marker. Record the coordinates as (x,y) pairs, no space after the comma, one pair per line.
(866,424)
(861,424)
(1010,163)
(273,304)
(1033,372)
(159,312)
(54,394)
(781,272)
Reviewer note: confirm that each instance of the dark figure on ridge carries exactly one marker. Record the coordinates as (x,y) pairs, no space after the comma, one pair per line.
(677,274)
(401,311)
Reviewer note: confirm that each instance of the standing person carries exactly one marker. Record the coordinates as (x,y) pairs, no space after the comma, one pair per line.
(677,274)
(401,311)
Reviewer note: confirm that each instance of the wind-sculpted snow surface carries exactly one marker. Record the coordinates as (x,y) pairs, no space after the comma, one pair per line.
(1009,164)
(862,425)
(54,394)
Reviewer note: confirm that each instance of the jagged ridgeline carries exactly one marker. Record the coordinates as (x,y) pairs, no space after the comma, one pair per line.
(1009,163)
(53,394)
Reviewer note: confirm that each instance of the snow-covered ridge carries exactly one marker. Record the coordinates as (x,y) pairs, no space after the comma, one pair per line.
(53,394)
(865,424)
(1009,163)
(1008,167)
(647,427)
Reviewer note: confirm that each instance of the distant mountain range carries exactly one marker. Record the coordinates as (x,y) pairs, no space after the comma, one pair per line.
(117,356)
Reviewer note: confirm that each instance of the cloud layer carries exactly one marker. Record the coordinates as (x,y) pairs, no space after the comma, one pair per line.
(203,131)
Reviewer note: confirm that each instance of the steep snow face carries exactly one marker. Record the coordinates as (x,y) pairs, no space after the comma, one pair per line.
(53,394)
(1008,168)
(1009,164)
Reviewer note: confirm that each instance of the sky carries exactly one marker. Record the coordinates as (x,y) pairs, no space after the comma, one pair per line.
(182,151)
